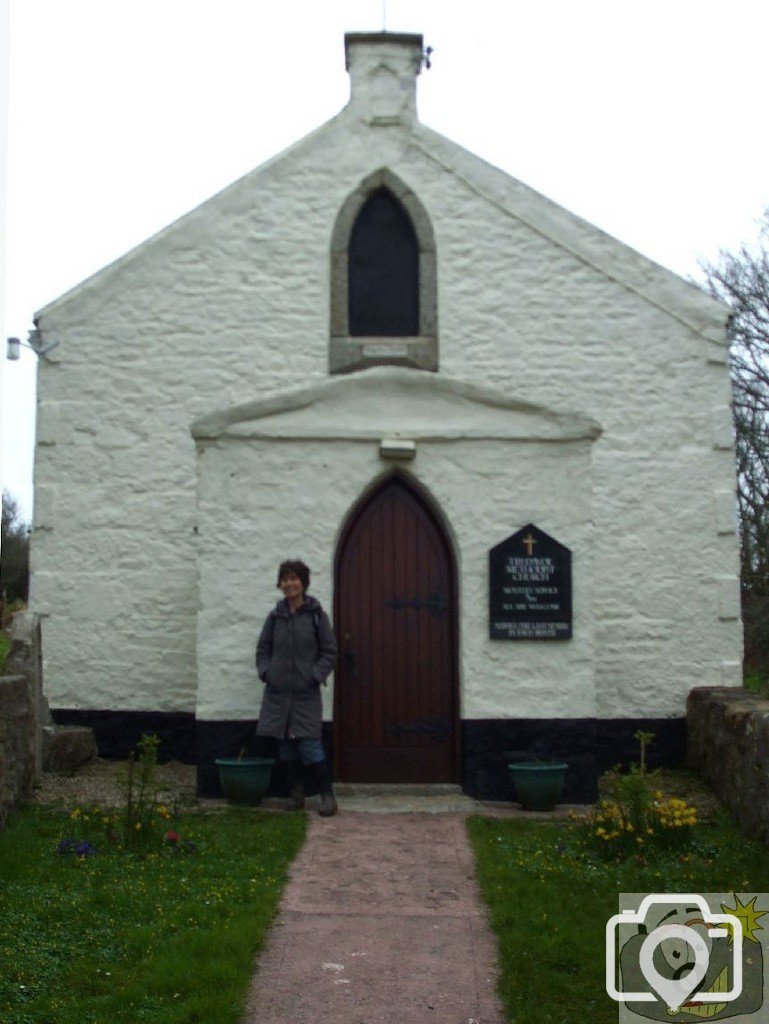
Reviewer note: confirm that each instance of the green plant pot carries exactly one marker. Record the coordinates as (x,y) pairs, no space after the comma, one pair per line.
(245,781)
(538,785)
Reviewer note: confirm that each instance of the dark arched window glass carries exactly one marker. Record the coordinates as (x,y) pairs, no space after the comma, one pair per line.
(383,270)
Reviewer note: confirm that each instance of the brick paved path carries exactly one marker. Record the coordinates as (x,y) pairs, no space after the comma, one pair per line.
(381,922)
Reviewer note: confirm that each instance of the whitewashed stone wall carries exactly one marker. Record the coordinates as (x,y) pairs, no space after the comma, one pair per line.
(232,302)
(514,465)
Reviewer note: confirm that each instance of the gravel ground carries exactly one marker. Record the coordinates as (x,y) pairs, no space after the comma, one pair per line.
(102,783)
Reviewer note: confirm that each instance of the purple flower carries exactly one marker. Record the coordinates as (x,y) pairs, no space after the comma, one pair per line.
(80,847)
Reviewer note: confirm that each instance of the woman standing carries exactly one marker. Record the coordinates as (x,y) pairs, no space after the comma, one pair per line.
(295,652)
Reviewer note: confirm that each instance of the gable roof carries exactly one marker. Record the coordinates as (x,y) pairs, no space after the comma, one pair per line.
(616,260)
(184,222)
(681,299)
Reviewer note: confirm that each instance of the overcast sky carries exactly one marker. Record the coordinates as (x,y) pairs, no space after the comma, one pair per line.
(647,119)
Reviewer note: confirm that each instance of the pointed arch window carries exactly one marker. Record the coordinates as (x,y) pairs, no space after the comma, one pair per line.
(383,301)
(383,270)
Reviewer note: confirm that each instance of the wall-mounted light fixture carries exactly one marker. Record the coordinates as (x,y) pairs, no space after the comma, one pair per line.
(33,342)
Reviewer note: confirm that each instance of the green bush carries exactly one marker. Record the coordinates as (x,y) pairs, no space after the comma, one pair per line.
(634,816)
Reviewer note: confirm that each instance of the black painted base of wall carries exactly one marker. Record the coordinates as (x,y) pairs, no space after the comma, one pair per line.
(118,732)
(589,746)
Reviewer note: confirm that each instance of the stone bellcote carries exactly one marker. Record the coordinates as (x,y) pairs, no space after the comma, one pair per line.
(383,68)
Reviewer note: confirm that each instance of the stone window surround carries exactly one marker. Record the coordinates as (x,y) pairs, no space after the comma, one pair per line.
(346,352)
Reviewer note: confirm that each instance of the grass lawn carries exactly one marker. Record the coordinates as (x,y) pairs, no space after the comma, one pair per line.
(167,936)
(5,644)
(549,901)
(757,682)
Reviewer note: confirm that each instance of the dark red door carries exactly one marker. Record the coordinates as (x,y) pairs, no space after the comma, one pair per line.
(395,612)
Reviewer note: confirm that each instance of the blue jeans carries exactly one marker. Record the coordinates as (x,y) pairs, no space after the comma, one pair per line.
(306,751)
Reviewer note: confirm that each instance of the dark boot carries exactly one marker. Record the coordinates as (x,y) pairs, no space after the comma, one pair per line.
(326,789)
(296,784)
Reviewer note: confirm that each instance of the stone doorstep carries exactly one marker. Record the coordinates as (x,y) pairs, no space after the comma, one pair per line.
(358,789)
(385,798)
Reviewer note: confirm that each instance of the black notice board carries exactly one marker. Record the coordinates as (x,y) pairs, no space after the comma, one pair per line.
(530,587)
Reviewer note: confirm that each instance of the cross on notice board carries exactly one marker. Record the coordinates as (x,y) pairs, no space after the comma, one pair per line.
(529,542)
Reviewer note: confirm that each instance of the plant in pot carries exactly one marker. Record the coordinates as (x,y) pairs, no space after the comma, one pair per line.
(538,784)
(245,780)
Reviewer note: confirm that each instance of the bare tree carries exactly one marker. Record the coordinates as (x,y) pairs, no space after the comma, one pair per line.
(741,279)
(14,551)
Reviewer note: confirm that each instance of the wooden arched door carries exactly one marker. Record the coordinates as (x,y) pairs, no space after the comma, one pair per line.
(395,717)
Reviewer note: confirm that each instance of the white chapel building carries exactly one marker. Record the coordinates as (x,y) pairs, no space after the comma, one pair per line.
(501,439)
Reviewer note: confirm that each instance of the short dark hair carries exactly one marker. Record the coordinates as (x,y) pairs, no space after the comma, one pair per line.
(293,565)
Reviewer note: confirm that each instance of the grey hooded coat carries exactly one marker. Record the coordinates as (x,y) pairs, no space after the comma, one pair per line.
(294,654)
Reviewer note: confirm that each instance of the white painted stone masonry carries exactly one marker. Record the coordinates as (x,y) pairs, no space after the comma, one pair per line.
(320,454)
(153,564)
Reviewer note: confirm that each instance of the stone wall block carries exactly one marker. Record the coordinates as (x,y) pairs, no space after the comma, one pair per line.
(66,747)
(728,744)
(723,428)
(17,747)
(725,512)
(22,711)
